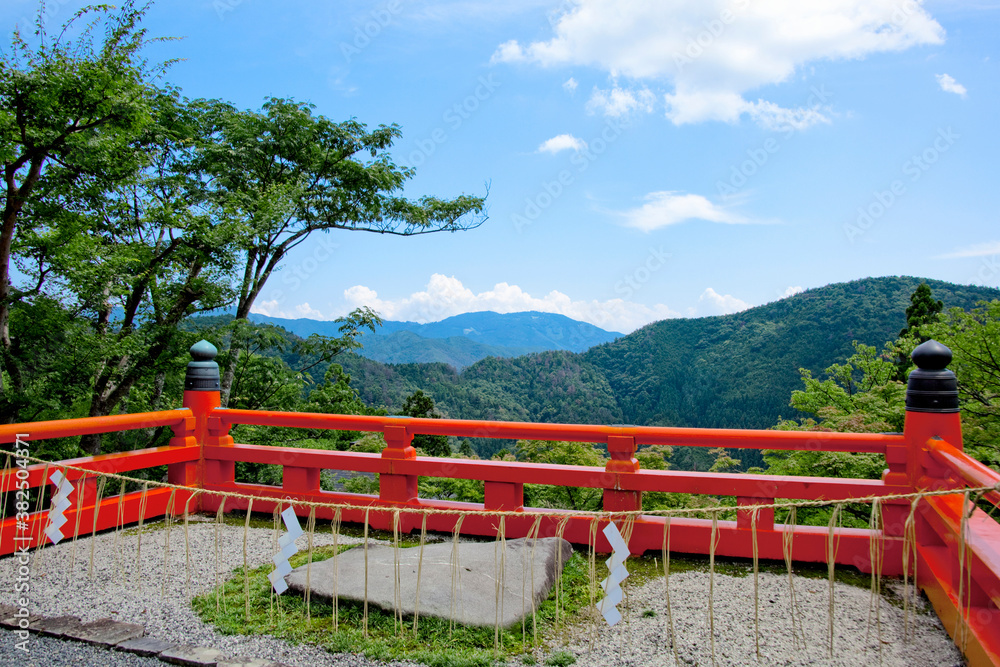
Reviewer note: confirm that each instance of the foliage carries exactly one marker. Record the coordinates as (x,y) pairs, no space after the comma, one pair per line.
(286,173)
(974,339)
(434,644)
(76,114)
(419,404)
(733,371)
(923,309)
(562,453)
(860,395)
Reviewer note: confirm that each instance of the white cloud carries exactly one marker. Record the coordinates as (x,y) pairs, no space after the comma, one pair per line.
(716,51)
(792,291)
(723,303)
(268,308)
(670,208)
(305,310)
(570,85)
(949,85)
(562,142)
(445,296)
(508,52)
(977,250)
(620,101)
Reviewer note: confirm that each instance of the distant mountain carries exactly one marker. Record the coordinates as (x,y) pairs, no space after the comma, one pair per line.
(731,371)
(463,339)
(404,347)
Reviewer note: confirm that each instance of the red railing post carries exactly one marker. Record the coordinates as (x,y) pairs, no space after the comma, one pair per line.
(201,395)
(931,412)
(621,450)
(397,488)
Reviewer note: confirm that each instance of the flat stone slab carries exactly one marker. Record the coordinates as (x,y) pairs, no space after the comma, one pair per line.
(531,569)
(192,656)
(145,646)
(106,632)
(13,621)
(249,662)
(56,626)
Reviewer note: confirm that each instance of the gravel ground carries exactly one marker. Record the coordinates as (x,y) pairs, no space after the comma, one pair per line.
(119,590)
(643,638)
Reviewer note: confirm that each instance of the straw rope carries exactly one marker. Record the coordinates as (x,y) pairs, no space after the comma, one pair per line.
(970,497)
(311,529)
(561,514)
(876,553)
(335,527)
(666,587)
(420,570)
(754,516)
(713,542)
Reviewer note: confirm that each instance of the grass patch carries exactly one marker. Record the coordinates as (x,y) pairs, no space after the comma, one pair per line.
(434,644)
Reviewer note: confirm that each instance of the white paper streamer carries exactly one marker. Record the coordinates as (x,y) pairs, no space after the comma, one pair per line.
(60,503)
(608,606)
(288,549)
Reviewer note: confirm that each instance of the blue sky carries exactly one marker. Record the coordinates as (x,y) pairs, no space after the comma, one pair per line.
(645,159)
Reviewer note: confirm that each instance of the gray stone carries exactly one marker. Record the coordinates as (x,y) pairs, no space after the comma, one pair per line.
(192,656)
(248,662)
(145,646)
(106,632)
(12,621)
(531,570)
(56,626)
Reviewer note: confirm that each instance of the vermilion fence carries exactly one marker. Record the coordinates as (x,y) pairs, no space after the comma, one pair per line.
(925,459)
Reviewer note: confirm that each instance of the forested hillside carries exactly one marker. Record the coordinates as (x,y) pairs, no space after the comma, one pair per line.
(463,339)
(732,371)
(738,371)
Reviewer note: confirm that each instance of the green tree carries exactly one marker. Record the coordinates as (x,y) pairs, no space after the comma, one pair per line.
(562,453)
(72,104)
(858,396)
(922,311)
(419,404)
(974,339)
(288,173)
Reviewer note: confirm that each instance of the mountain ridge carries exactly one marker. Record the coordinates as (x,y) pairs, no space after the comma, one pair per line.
(725,371)
(462,339)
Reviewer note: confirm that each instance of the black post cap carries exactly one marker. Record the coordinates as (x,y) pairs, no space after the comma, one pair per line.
(202,373)
(931,387)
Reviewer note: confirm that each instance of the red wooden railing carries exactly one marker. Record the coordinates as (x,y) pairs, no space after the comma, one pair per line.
(927,456)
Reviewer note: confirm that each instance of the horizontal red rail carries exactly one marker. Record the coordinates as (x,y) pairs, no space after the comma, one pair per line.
(973,472)
(62,428)
(671,481)
(112,512)
(874,443)
(106,463)
(686,535)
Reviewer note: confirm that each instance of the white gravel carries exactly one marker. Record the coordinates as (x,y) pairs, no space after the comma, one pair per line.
(642,639)
(120,590)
